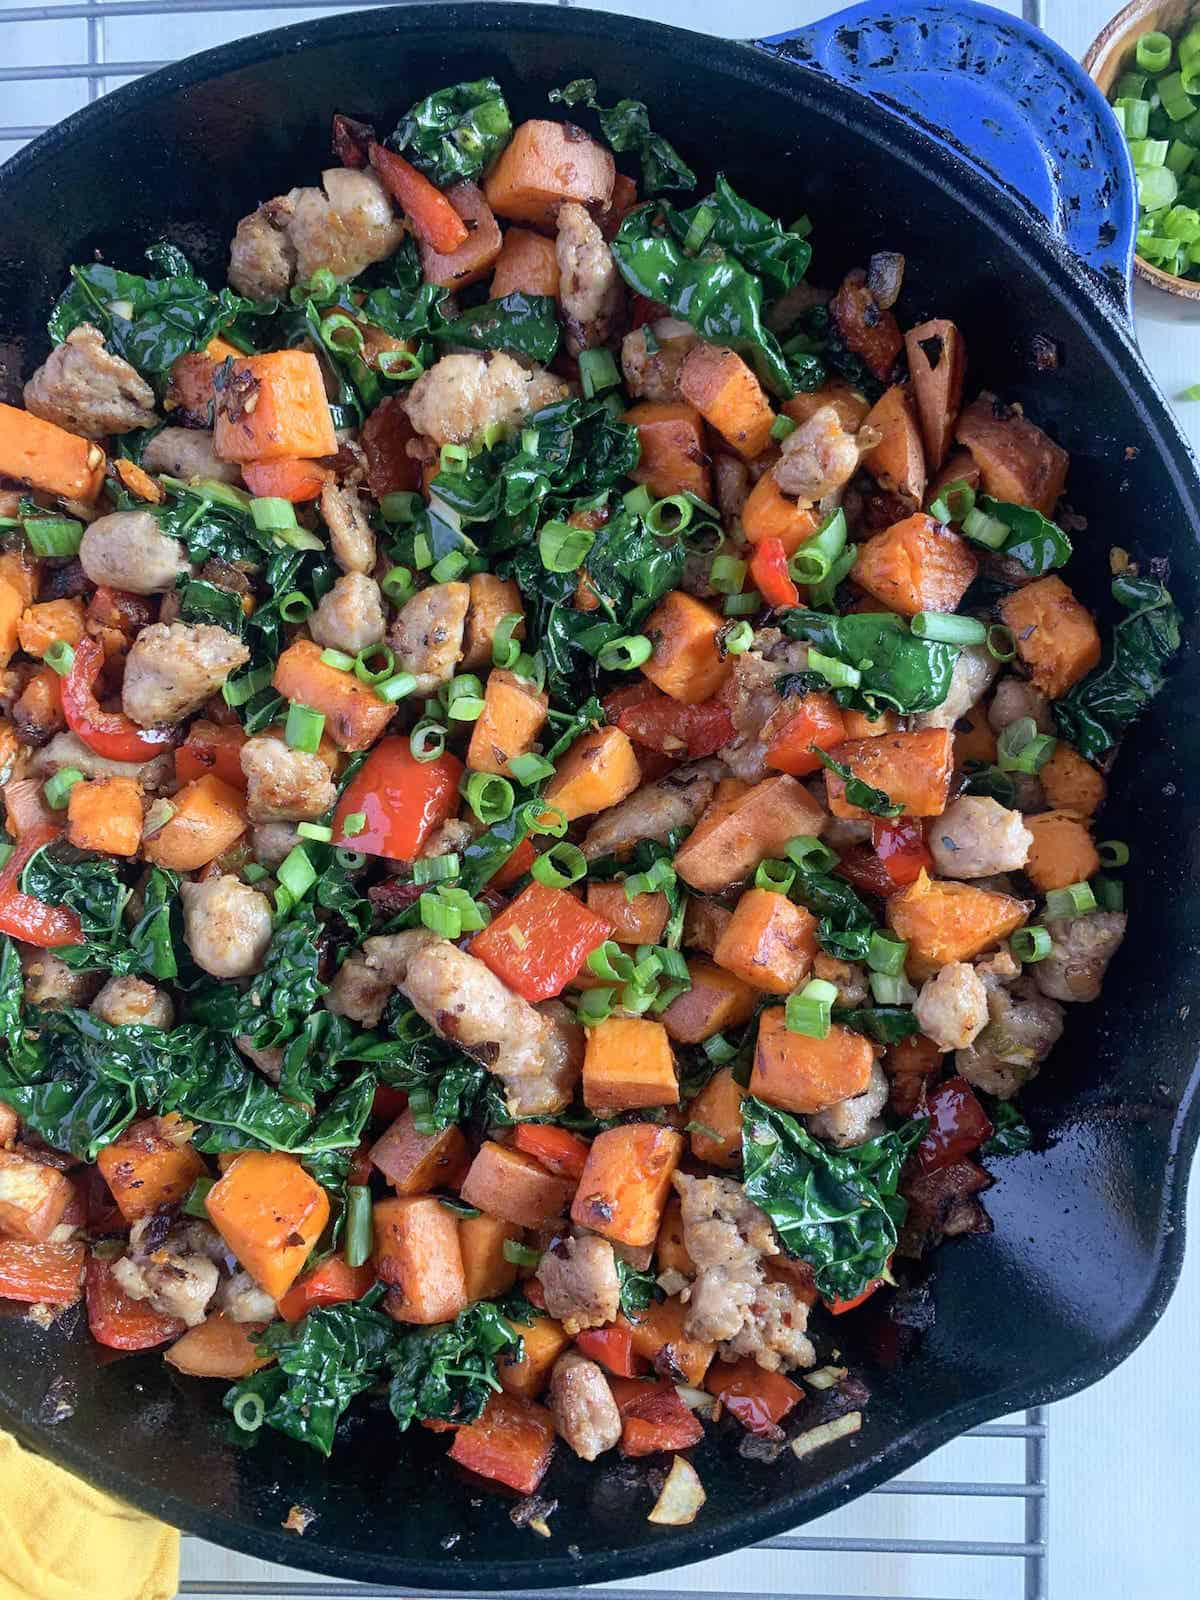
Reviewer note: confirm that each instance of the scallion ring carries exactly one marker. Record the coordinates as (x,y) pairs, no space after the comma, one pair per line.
(560,866)
(1113,853)
(563,548)
(671,514)
(1031,944)
(489,796)
(427,741)
(1076,900)
(303,729)
(384,661)
(625,654)
(942,627)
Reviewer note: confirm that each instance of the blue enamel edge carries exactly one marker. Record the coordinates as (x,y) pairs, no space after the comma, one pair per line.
(1003,98)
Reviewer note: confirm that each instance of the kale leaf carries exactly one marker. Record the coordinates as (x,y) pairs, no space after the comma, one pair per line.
(454,132)
(760,243)
(201,601)
(1034,542)
(859,793)
(638,1289)
(626,126)
(839,1210)
(92,887)
(449,1372)
(524,323)
(907,674)
(1011,1134)
(844,925)
(884,1024)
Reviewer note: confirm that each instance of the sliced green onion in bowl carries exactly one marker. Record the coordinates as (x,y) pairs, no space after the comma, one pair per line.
(1031,944)
(489,796)
(810,1010)
(57,788)
(1153,51)
(560,866)
(1076,900)
(303,729)
(944,628)
(1113,853)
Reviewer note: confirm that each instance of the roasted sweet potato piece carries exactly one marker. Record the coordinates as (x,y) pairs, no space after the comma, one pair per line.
(1017,461)
(624,1186)
(850,404)
(770,514)
(597,771)
(657,1334)
(53,622)
(514,712)
(47,457)
(913,769)
(492,599)
(916,565)
(209,817)
(1072,784)
(543,1340)
(12,606)
(33,1197)
(512,1442)
(1062,851)
(151,1166)
(487,1272)
(507,1184)
(41,1274)
(474,259)
(686,663)
(717,1114)
(355,716)
(105,814)
(217,1348)
(1057,639)
(270,1213)
(897,462)
(670,1252)
(417,1253)
(415,1162)
(637,921)
(716,1000)
(729,397)
(543,164)
(385,437)
(946,921)
(628,1064)
(769,942)
(733,836)
(798,1073)
(866,327)
(937,364)
(674,459)
(527,262)
(273,405)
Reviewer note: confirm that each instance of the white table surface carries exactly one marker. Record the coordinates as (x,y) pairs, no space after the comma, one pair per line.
(1125,1454)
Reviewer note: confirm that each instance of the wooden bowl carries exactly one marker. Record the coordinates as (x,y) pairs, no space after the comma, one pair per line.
(1110,54)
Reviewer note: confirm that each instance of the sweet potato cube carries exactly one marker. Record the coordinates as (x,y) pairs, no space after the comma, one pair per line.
(486,1271)
(704,920)
(716,1000)
(897,462)
(218,1348)
(867,328)
(1057,639)
(797,1073)
(544,1340)
(209,816)
(543,164)
(507,1184)
(151,1166)
(729,397)
(913,769)
(637,921)
(916,565)
(1072,784)
(514,712)
(850,404)
(670,1252)
(946,921)
(492,599)
(270,1213)
(770,514)
(415,1162)
(859,725)
(53,622)
(674,458)
(511,1443)
(33,1197)
(48,458)
(1017,461)
(105,814)
(686,663)
(472,260)
(657,1334)
(717,1111)
(1062,851)
(271,406)
(354,714)
(937,364)
(11,606)
(418,1255)
(628,1063)
(734,836)
(769,942)
(597,771)
(527,263)
(624,1186)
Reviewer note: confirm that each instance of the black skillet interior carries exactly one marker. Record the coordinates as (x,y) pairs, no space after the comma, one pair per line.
(1088,1228)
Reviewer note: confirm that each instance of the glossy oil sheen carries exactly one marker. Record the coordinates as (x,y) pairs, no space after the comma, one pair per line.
(1088,1229)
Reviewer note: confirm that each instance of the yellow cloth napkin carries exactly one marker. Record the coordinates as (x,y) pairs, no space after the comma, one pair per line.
(60,1539)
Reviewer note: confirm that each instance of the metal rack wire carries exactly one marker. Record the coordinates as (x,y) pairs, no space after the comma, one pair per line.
(1025,1559)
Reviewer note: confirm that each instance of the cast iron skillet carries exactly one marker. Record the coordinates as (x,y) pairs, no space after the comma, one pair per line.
(950,134)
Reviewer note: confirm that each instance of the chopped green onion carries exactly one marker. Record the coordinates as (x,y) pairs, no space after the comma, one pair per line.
(1076,900)
(954,502)
(338,659)
(626,653)
(983,529)
(296,873)
(6,850)
(359,1236)
(1182,222)
(670,963)
(595,1006)
(891,989)
(1135,115)
(472,915)
(887,955)
(743,605)
(464,698)
(810,1010)
(944,628)
(402,365)
(1175,100)
(401,506)
(1153,51)
(1157,186)
(1145,153)
(822,594)
(1031,944)
(672,514)
(397,584)
(782,426)
(813,561)
(1113,853)
(454,458)
(597,372)
(295,607)
(364,672)
(1180,157)
(303,729)
(562,547)
(352,860)
(272,515)
(506,648)
(1109,892)
(541,818)
(396,688)
(436,869)
(528,768)
(353,824)
(702,225)
(809,854)
(341,335)
(1021,748)
(450,567)
(520,1255)
(1132,85)
(489,796)
(560,866)
(719,1049)
(638,501)
(440,917)
(661,875)
(53,536)
(57,788)
(61,657)
(836,673)
(248,1411)
(738,639)
(253,873)
(318,832)
(726,574)
(777,876)
(610,963)
(1001,642)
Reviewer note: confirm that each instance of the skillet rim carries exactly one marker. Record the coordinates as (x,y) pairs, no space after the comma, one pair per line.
(1104,326)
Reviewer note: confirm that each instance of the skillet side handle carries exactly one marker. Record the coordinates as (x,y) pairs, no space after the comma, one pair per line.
(1003,98)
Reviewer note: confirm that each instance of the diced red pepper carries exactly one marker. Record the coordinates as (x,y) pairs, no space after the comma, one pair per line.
(517,865)
(110,734)
(653,1418)
(534,1293)
(403,800)
(958,1125)
(817,720)
(388,1103)
(541,941)
(863,869)
(118,1322)
(769,574)
(559,1151)
(612,1347)
(757,1398)
(512,1442)
(837,1307)
(329,1284)
(899,842)
(629,694)
(659,723)
(22,915)
(35,1273)
(434,219)
(211,748)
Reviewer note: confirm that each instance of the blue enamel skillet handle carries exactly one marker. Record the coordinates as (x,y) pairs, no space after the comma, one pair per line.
(1004,99)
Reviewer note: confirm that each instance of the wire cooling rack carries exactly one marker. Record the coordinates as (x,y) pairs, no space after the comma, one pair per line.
(983,1528)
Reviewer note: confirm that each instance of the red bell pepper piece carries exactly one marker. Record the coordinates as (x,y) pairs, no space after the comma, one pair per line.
(210,747)
(837,1307)
(328,1284)
(404,800)
(119,1322)
(612,1347)
(110,734)
(653,1418)
(541,941)
(863,869)
(817,720)
(769,574)
(559,1151)
(958,1125)
(388,1103)
(511,1442)
(23,915)
(673,729)
(433,217)
(757,1398)
(517,865)
(899,843)
(532,1289)
(50,1273)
